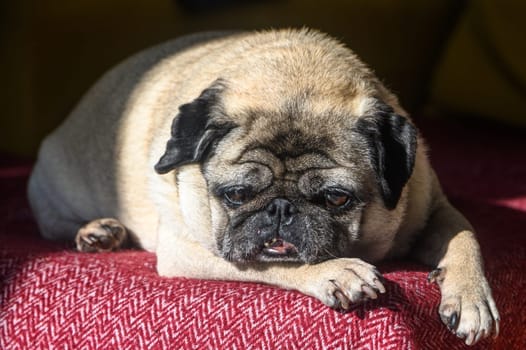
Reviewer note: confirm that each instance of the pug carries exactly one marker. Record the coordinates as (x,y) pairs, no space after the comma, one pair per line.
(275,157)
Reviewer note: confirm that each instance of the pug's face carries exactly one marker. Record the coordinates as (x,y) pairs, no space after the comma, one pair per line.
(291,184)
(300,206)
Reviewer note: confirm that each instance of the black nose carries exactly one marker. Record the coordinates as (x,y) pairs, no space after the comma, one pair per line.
(281,211)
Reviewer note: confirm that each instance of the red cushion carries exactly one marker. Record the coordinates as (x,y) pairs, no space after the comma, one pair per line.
(54,297)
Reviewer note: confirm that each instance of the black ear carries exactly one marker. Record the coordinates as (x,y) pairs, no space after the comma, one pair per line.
(392,141)
(194,132)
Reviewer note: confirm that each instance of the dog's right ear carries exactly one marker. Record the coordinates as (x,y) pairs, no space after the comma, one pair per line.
(194,133)
(392,141)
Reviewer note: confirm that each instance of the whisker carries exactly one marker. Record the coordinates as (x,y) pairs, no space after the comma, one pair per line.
(330,253)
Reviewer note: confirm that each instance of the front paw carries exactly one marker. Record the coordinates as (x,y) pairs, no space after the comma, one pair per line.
(467,307)
(101,235)
(339,283)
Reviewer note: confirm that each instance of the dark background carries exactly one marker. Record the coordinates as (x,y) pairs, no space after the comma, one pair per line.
(442,57)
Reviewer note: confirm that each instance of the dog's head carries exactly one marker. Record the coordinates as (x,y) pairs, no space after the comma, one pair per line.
(296,170)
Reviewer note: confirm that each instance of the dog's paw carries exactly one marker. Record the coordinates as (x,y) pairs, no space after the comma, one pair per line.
(467,309)
(101,235)
(339,283)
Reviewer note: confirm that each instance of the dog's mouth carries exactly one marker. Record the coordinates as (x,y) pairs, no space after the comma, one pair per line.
(273,250)
(278,247)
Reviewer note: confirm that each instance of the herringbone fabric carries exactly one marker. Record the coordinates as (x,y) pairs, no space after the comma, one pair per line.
(54,298)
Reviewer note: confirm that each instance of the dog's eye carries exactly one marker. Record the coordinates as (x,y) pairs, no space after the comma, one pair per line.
(337,199)
(235,196)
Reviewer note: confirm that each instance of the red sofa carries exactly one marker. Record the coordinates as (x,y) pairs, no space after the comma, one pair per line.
(52,297)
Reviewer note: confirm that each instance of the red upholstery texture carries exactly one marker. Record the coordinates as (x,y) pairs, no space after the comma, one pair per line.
(55,298)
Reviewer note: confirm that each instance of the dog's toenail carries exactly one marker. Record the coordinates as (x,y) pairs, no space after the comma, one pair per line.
(453,321)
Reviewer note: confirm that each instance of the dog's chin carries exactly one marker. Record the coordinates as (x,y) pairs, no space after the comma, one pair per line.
(265,255)
(281,251)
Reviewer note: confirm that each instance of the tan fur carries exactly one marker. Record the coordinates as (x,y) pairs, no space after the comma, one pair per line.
(100,162)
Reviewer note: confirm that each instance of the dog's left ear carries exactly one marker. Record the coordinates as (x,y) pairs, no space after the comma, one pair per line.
(194,132)
(392,141)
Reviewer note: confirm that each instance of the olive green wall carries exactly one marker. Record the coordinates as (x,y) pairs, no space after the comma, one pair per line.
(482,72)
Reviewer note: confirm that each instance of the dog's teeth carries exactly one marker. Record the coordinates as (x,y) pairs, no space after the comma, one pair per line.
(270,243)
